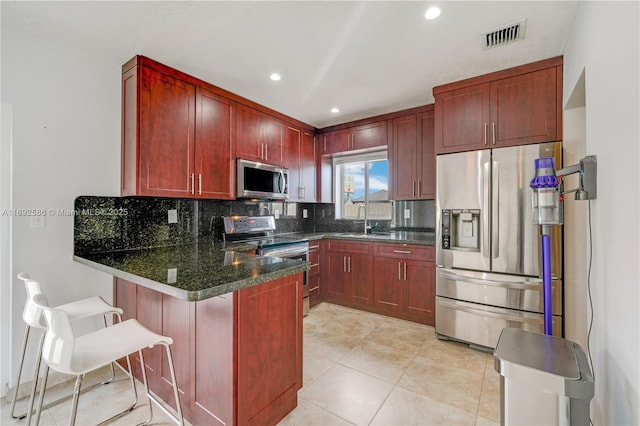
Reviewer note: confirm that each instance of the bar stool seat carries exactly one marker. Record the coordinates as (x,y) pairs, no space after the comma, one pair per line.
(78,310)
(66,353)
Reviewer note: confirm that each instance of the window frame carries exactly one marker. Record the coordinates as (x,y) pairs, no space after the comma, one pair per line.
(338,179)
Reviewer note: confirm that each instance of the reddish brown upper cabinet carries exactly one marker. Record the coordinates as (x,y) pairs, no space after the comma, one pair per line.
(176,138)
(517,106)
(259,137)
(412,156)
(364,136)
(300,158)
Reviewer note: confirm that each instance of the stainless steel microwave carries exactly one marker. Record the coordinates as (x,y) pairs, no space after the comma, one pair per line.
(259,180)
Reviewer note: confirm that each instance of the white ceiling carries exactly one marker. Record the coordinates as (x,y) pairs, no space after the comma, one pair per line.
(366,58)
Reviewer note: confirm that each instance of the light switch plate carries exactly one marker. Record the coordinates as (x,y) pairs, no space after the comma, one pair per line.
(277,214)
(172,216)
(305,213)
(172,275)
(407,213)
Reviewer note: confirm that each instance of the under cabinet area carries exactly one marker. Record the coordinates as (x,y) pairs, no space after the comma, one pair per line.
(517,106)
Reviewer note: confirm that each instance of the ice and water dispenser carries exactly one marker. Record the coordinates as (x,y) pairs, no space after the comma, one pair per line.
(461,229)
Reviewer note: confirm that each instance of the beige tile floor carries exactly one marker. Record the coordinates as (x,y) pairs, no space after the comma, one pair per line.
(359,369)
(365,369)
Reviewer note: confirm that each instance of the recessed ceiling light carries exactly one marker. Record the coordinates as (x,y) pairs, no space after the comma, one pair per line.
(275,76)
(335,110)
(432,13)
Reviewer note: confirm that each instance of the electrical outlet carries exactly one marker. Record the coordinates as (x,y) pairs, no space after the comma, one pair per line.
(37,222)
(305,213)
(407,213)
(172,216)
(277,214)
(172,275)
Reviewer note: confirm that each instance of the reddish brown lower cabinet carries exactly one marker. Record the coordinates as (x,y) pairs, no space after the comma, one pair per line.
(348,273)
(404,281)
(238,357)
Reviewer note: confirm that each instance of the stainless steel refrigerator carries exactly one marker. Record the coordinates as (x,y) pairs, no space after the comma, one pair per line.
(488,274)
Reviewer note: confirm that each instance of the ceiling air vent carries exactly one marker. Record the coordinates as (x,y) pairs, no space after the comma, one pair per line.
(504,35)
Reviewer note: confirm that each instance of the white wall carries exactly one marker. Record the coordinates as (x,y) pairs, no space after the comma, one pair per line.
(604,43)
(66,142)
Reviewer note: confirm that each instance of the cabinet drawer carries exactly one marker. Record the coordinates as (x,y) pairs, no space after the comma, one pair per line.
(404,251)
(349,247)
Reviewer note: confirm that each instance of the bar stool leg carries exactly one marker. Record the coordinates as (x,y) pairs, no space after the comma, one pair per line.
(175,385)
(36,374)
(146,388)
(76,397)
(15,391)
(41,398)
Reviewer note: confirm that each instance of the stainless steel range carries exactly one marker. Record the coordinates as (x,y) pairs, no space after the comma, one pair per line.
(259,230)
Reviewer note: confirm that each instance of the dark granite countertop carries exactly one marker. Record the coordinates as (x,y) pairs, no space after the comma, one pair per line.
(401,237)
(192,271)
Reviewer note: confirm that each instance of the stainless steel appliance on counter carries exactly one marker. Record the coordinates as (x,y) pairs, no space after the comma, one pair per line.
(488,272)
(259,230)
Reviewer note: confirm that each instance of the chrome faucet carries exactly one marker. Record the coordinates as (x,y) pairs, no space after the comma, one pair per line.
(362,206)
(264,207)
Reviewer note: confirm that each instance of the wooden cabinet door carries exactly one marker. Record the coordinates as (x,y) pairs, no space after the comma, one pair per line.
(462,119)
(269,370)
(420,289)
(249,134)
(324,166)
(524,109)
(404,156)
(167,130)
(307,166)
(259,137)
(369,135)
(291,160)
(273,139)
(212,378)
(338,280)
(360,268)
(426,168)
(214,147)
(337,141)
(388,289)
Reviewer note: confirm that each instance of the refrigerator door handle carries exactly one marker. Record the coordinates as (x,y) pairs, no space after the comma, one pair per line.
(534,284)
(514,318)
(495,211)
(485,214)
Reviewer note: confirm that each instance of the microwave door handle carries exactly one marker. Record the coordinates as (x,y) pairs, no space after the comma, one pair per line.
(281,182)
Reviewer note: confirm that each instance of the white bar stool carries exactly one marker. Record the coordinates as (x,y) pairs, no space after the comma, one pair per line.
(78,310)
(68,354)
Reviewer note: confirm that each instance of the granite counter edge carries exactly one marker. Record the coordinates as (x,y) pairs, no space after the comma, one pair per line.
(193,296)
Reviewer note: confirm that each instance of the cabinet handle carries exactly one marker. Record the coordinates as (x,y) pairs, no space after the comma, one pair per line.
(349,264)
(315,288)
(399,271)
(193,183)
(261,155)
(485,133)
(324,142)
(344,263)
(413,188)
(405,271)
(402,251)
(199,183)
(418,193)
(493,125)
(266,151)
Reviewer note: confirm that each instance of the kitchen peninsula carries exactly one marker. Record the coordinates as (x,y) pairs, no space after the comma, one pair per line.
(235,318)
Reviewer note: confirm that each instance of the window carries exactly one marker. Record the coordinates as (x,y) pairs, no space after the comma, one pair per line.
(362,180)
